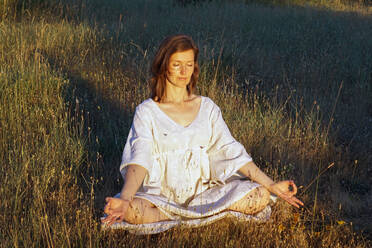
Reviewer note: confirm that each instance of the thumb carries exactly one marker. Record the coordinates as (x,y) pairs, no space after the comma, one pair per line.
(293,187)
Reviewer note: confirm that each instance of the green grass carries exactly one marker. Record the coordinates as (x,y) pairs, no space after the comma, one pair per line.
(293,82)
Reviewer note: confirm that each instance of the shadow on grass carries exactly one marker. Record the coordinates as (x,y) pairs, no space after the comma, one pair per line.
(104,125)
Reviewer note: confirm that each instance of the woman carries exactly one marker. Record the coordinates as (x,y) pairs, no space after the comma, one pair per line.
(180,160)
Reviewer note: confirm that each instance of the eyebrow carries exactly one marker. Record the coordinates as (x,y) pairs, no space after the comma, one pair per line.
(182,61)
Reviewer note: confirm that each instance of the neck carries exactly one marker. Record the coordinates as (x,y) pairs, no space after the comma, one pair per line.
(175,94)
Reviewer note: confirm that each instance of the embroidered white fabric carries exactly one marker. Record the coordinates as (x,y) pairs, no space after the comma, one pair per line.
(192,171)
(158,227)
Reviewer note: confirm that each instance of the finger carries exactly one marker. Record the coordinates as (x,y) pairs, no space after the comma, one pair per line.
(103,220)
(121,218)
(289,199)
(108,199)
(118,218)
(293,203)
(107,209)
(107,219)
(294,187)
(111,220)
(298,201)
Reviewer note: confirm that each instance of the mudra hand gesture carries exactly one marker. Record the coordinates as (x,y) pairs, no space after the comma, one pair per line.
(174,107)
(287,191)
(115,209)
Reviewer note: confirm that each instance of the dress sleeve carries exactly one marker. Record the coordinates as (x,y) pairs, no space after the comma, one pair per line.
(226,155)
(138,148)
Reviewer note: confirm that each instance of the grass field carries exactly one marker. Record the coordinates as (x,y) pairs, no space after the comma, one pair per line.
(293,79)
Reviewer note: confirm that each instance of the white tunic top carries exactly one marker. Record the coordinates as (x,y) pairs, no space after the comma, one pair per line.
(182,161)
(192,171)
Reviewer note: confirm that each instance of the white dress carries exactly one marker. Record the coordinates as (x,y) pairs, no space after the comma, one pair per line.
(192,171)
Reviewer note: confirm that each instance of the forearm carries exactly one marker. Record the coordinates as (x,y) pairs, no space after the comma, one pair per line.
(133,180)
(255,174)
(284,189)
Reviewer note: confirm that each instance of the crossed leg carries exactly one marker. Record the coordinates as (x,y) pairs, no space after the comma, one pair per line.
(141,211)
(255,201)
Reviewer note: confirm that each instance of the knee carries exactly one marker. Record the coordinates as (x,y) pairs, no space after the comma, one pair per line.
(134,214)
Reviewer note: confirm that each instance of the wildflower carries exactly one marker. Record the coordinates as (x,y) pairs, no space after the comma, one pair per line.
(341,222)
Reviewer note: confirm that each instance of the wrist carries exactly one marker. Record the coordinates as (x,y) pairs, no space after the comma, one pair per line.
(126,198)
(271,188)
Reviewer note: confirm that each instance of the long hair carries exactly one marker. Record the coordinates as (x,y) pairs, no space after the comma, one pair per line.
(159,67)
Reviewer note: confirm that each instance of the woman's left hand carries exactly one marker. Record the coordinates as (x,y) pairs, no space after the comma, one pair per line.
(286,190)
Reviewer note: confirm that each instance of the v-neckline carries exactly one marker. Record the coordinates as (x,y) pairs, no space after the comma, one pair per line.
(173,121)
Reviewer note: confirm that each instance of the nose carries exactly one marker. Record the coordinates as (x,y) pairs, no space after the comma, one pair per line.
(183,70)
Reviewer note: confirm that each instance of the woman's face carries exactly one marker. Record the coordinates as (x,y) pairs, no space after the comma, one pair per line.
(180,68)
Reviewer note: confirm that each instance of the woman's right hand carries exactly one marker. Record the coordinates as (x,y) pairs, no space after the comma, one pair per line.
(115,209)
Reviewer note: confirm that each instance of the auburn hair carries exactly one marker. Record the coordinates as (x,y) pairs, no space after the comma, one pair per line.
(159,67)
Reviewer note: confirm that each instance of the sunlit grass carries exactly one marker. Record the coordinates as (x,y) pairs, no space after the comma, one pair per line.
(359,6)
(71,76)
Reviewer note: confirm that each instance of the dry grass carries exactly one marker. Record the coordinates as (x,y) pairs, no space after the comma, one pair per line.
(71,75)
(358,6)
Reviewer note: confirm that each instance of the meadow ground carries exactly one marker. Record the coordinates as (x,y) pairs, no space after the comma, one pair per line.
(293,80)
